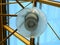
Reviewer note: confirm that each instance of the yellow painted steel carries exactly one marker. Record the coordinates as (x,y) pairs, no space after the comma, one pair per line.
(41,1)
(45,2)
(50,3)
(20,37)
(10,3)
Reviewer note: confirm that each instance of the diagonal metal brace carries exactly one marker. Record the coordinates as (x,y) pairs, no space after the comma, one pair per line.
(53,31)
(8,37)
(20,37)
(20,4)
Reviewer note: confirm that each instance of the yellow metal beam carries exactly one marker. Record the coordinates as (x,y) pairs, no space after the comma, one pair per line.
(10,3)
(41,1)
(20,37)
(46,2)
(50,3)
(8,15)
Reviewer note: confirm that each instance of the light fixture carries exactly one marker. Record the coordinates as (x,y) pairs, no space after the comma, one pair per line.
(34,22)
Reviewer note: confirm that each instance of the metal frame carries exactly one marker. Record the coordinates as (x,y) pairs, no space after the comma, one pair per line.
(10,3)
(8,15)
(2,21)
(20,37)
(57,4)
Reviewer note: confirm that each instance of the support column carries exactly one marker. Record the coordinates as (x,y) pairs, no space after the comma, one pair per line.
(2,21)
